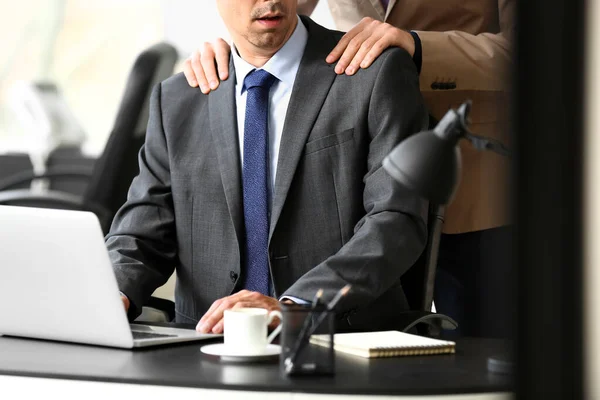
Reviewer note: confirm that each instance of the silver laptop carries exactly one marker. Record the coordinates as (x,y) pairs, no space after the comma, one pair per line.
(57,283)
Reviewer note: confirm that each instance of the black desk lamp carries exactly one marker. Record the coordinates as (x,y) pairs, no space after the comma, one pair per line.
(429,163)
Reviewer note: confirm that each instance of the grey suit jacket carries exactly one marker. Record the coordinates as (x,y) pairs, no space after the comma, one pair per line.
(337,217)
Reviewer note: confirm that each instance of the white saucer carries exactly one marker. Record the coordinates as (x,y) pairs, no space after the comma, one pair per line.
(226,354)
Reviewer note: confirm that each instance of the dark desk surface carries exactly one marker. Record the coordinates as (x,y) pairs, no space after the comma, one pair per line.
(184,365)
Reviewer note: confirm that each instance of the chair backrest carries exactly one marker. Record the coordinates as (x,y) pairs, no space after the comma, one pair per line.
(12,164)
(418,281)
(69,157)
(118,164)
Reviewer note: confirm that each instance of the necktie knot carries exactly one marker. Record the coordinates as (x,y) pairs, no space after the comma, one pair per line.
(259,78)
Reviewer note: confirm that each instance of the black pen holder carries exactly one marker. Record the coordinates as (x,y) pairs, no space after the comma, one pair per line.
(299,354)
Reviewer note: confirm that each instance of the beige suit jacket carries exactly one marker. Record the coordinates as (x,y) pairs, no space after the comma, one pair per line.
(466,44)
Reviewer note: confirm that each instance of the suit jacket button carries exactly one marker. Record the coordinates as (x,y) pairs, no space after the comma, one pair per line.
(233,275)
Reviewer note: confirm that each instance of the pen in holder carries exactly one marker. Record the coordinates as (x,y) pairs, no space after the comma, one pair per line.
(298,356)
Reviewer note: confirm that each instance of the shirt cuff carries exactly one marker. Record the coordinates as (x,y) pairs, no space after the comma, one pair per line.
(294,299)
(418,56)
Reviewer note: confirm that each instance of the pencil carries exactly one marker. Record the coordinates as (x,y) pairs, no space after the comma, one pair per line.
(338,297)
(304,334)
(289,362)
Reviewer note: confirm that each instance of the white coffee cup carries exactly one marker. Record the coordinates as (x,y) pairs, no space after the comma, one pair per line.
(246,329)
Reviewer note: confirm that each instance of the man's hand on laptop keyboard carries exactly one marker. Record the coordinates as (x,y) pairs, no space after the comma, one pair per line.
(125,302)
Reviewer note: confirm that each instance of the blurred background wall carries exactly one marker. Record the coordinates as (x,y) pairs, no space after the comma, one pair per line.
(87,48)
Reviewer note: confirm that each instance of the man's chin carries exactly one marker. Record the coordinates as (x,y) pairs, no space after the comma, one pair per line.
(269,41)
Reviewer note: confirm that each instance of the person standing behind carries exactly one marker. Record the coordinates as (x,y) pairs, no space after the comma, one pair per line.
(462,49)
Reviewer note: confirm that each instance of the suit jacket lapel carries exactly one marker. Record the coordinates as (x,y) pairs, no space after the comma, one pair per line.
(313,80)
(223,123)
(389,9)
(379,8)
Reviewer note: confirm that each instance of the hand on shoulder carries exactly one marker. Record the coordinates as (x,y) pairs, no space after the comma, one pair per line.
(358,48)
(200,68)
(362,44)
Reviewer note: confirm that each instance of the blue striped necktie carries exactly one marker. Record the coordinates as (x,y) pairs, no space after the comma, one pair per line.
(385,3)
(255,187)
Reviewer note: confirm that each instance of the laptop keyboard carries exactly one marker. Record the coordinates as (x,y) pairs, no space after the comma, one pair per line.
(149,335)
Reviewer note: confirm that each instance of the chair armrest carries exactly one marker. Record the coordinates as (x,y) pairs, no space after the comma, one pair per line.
(70,172)
(164,305)
(434,322)
(157,310)
(50,199)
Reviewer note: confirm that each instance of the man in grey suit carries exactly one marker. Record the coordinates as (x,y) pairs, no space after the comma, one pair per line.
(271,187)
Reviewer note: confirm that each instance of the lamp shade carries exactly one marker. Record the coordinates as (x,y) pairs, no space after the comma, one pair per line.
(428,164)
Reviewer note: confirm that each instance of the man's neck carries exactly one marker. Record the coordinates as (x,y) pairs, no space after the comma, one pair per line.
(256,58)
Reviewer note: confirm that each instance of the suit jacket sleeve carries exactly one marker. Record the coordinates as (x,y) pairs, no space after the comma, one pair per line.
(474,62)
(392,233)
(141,241)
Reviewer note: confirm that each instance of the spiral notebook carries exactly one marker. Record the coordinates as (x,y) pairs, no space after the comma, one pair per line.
(385,344)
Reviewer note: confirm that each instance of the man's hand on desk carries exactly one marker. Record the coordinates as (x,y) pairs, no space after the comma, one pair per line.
(212,321)
(125,302)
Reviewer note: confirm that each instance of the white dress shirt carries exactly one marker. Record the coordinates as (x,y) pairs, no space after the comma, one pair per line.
(284,66)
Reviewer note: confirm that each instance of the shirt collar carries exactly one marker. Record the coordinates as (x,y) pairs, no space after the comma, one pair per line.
(283,65)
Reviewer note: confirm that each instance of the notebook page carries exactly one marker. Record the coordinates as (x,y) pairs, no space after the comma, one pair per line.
(382,340)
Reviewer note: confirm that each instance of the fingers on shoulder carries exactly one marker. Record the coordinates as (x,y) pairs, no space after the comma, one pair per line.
(197,70)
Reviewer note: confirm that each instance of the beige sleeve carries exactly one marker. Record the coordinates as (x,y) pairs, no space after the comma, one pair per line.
(473,62)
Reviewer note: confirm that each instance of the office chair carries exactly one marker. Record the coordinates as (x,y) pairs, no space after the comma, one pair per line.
(12,164)
(69,157)
(104,184)
(418,284)
(107,182)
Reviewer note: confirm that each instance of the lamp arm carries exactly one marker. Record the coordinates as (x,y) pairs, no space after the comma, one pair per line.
(461,121)
(484,143)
